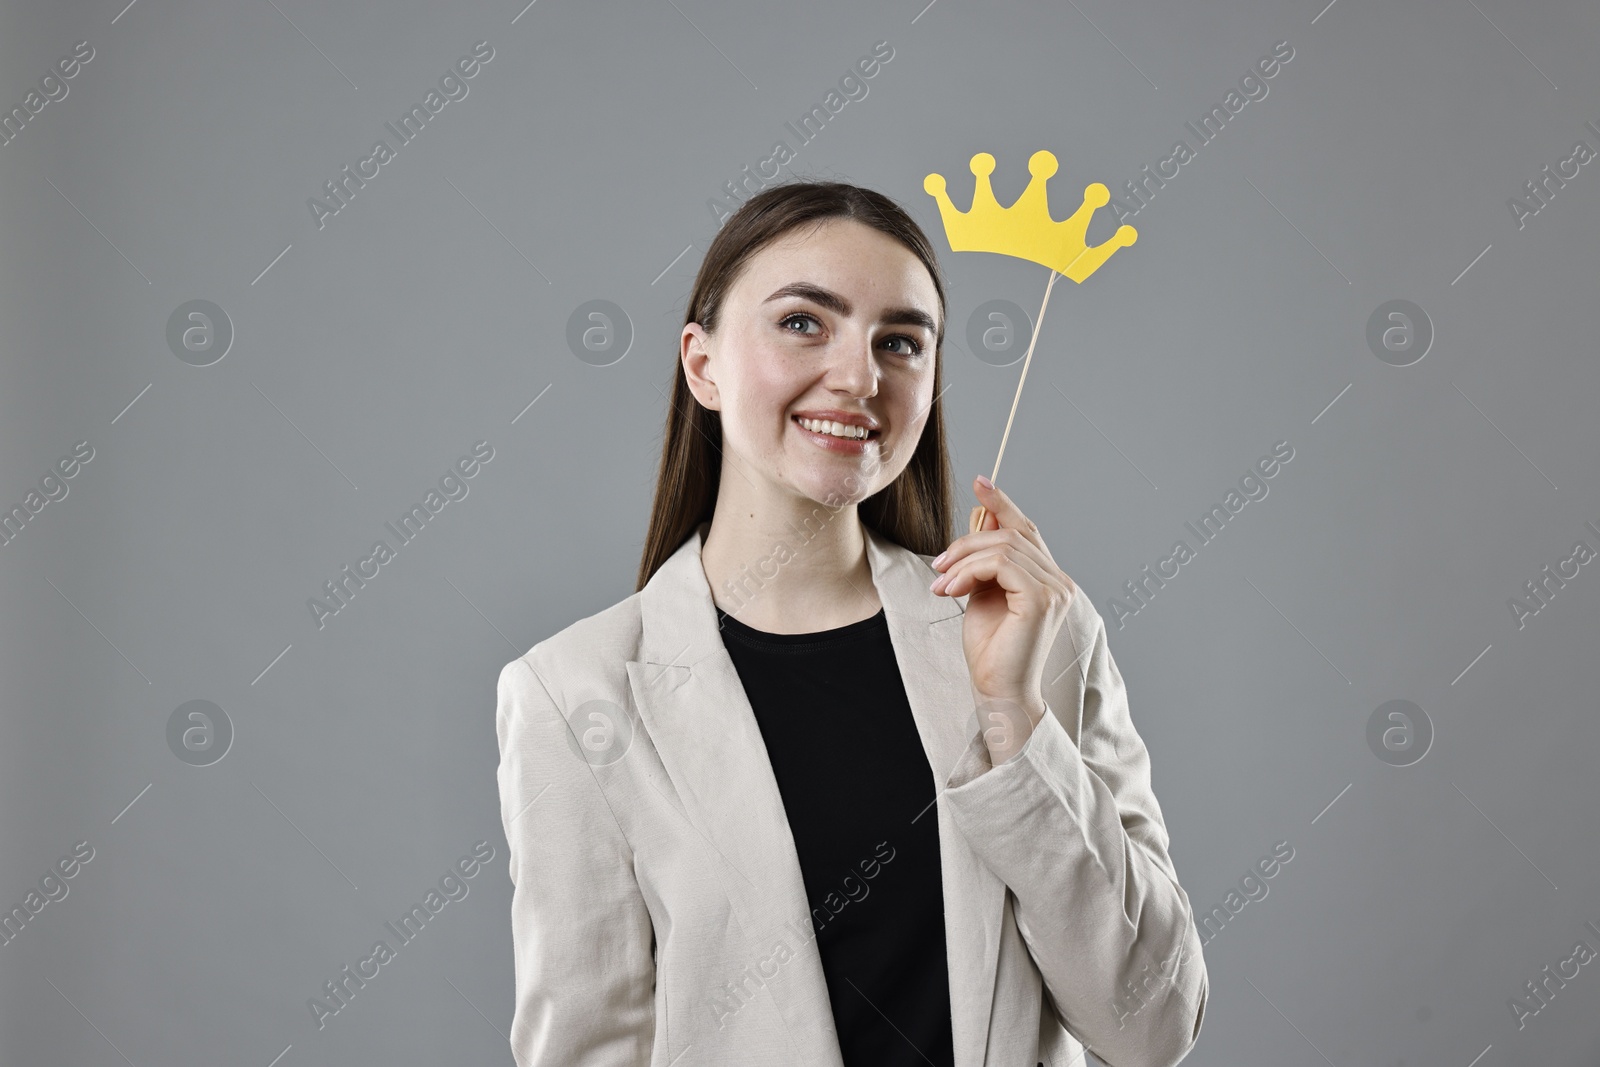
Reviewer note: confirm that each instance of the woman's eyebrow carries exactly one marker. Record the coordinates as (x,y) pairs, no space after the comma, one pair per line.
(836,303)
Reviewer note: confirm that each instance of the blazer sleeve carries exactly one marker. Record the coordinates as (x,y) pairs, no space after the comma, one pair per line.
(582,939)
(1076,834)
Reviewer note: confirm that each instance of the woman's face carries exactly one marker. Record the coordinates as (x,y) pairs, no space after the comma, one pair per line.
(835,321)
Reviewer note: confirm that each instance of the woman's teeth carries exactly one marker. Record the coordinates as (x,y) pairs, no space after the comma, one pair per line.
(834,429)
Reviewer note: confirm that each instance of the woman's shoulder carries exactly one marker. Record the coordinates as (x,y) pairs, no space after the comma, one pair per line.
(600,643)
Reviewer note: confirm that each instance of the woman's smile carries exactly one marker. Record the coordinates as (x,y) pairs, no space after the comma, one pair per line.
(849,446)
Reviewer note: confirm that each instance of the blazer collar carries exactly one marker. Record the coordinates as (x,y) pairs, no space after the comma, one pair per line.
(694,708)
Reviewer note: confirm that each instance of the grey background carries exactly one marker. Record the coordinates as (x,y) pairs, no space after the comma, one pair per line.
(432,311)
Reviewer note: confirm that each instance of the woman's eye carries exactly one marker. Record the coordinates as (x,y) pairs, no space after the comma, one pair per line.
(797,317)
(914,347)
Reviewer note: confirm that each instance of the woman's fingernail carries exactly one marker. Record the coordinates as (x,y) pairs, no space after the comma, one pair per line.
(939,559)
(986,483)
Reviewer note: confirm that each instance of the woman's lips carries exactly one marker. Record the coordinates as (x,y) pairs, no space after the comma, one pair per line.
(849,446)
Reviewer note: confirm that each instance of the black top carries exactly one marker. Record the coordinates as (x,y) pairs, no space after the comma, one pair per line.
(858,793)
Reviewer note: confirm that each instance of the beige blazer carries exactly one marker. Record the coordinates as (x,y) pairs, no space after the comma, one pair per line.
(658,913)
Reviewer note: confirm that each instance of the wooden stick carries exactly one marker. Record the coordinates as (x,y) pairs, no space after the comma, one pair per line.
(983,511)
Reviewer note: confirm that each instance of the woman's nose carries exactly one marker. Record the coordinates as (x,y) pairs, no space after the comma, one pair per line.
(853,368)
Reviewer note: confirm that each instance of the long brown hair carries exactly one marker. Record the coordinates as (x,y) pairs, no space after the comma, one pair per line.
(914,509)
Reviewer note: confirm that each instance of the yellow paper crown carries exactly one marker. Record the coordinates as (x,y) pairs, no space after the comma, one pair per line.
(1025,229)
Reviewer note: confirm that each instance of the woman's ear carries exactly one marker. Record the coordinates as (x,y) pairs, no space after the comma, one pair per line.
(695,354)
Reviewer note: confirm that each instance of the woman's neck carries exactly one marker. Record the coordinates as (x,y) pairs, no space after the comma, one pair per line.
(795,575)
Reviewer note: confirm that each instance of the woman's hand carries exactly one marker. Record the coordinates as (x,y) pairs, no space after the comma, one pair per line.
(1017,599)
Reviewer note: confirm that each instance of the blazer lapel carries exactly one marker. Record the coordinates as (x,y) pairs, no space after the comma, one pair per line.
(925,630)
(694,708)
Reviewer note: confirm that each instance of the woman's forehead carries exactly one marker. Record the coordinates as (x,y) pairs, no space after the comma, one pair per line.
(871,270)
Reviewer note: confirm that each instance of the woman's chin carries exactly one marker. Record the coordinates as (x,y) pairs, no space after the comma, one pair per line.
(836,493)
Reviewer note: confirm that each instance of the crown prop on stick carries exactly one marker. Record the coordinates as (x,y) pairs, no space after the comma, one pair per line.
(1026,230)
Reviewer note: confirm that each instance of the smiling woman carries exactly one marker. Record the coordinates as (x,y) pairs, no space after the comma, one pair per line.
(819,307)
(785,690)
